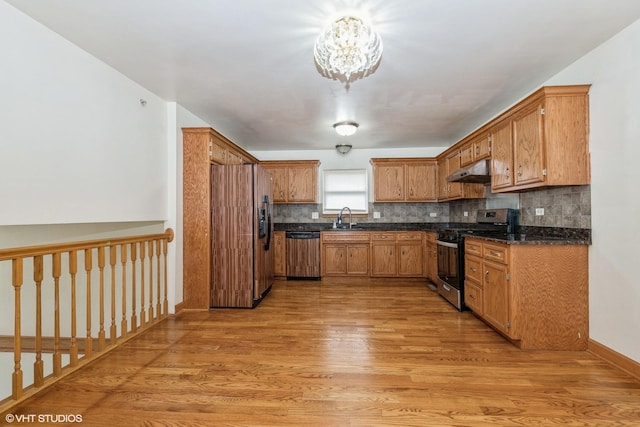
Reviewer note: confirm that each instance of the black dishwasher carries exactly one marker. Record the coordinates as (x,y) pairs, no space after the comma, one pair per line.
(303,255)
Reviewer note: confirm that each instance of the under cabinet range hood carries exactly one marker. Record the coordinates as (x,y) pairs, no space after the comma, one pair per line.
(478,173)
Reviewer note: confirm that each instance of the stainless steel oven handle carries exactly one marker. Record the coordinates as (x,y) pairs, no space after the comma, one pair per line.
(447,244)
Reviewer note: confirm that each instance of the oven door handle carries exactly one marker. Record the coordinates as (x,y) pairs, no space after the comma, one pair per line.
(447,244)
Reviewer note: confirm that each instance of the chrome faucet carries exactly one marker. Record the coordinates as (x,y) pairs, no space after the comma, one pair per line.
(340,216)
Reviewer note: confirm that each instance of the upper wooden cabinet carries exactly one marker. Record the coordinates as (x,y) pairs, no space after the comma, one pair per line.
(542,141)
(447,164)
(219,149)
(294,181)
(476,148)
(404,180)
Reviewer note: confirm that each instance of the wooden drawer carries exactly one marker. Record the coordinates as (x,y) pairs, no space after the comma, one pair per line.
(495,252)
(344,236)
(473,268)
(473,247)
(473,296)
(413,235)
(431,236)
(389,237)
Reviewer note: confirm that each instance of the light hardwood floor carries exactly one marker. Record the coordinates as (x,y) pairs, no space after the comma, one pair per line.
(340,353)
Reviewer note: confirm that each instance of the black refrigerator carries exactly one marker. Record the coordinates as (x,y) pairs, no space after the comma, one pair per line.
(242,229)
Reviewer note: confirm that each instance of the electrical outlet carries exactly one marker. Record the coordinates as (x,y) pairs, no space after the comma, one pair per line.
(539,211)
(376,215)
(315,215)
(433,214)
(465,213)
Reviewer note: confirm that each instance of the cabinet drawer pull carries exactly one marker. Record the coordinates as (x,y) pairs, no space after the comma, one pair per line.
(473,269)
(472,296)
(494,253)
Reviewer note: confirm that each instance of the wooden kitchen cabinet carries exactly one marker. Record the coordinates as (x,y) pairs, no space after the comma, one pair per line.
(404,180)
(280,254)
(411,254)
(294,181)
(201,148)
(447,191)
(542,141)
(384,262)
(398,254)
(345,253)
(432,257)
(535,295)
(477,148)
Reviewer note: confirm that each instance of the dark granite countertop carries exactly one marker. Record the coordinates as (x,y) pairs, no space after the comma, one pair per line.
(544,236)
(363,226)
(526,235)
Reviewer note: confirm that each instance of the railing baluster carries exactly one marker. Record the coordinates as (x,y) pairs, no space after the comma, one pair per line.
(152,315)
(88,265)
(73,269)
(159,296)
(123,259)
(101,334)
(16,378)
(112,262)
(149,302)
(134,316)
(143,313)
(57,355)
(165,250)
(38,365)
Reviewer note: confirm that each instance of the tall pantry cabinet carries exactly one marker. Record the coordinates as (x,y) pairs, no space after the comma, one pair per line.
(201,148)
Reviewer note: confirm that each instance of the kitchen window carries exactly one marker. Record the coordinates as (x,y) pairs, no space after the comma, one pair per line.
(345,187)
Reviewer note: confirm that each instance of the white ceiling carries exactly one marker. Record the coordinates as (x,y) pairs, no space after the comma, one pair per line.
(246,66)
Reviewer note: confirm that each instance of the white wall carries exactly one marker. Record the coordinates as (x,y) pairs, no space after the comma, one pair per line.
(76,145)
(613,69)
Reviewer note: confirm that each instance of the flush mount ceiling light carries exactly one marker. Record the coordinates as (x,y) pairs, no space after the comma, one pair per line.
(346,128)
(343,148)
(347,48)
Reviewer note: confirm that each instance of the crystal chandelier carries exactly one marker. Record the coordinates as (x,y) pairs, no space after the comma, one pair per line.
(347,48)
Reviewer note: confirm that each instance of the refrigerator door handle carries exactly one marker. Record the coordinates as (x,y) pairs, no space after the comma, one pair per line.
(267,244)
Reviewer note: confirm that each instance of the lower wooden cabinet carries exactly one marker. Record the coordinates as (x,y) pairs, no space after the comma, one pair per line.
(345,253)
(280,253)
(411,246)
(432,257)
(536,295)
(375,254)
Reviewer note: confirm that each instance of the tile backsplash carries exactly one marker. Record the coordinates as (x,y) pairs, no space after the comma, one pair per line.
(568,207)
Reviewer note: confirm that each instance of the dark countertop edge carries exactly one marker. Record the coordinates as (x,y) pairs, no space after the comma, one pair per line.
(533,235)
(535,240)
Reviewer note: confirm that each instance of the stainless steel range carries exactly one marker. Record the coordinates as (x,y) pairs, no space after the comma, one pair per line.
(501,223)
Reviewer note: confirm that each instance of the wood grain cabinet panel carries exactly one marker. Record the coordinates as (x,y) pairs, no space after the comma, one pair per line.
(294,181)
(535,295)
(201,147)
(431,257)
(404,180)
(345,253)
(280,253)
(542,141)
(448,163)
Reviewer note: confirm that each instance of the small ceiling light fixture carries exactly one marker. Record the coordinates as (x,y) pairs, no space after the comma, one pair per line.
(346,128)
(343,148)
(347,48)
